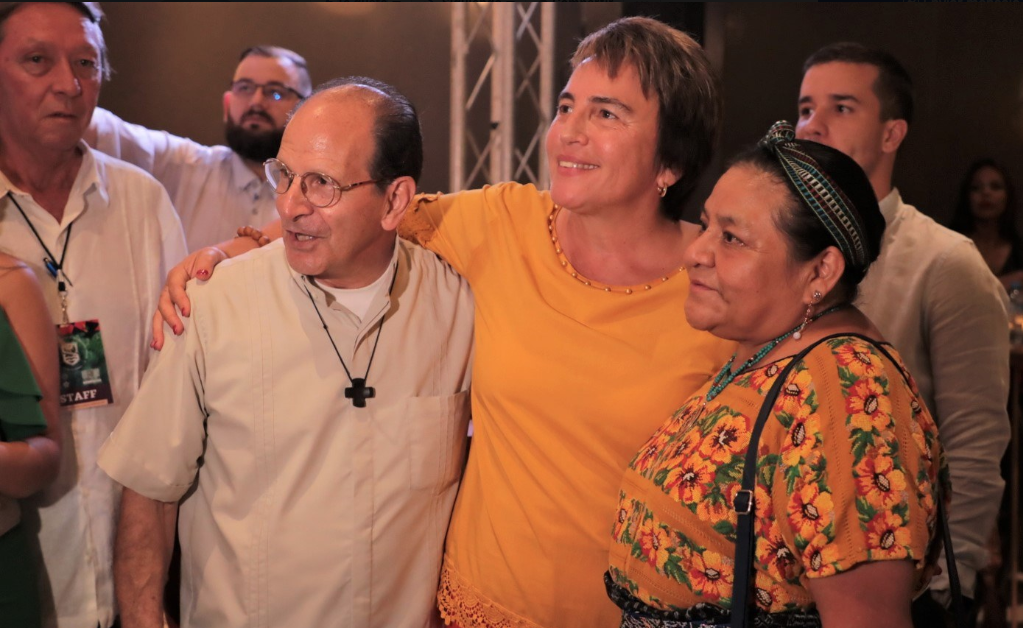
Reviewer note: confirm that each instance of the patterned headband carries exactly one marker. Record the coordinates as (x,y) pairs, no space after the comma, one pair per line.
(832,207)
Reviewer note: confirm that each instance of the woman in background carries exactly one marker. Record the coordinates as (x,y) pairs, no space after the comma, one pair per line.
(29,436)
(986,212)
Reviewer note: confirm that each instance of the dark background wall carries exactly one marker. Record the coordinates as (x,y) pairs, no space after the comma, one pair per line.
(173,62)
(966,61)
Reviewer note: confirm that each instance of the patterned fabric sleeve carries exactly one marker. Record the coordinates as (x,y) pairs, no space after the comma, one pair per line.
(858,462)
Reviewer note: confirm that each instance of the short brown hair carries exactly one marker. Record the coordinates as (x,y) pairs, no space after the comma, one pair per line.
(893,87)
(673,67)
(90,10)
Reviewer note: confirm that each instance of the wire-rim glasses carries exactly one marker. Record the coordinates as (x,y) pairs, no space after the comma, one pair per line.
(319,189)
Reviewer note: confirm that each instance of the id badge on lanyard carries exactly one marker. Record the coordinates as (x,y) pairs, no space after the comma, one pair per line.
(84,378)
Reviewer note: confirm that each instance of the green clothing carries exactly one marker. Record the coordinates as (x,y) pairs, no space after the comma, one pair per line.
(20,418)
(20,414)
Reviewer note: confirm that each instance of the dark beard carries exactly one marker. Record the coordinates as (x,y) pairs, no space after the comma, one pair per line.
(257,146)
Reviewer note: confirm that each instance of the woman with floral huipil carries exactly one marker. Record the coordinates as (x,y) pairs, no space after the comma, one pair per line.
(848,462)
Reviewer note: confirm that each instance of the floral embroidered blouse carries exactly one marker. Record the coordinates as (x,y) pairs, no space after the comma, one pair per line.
(847,473)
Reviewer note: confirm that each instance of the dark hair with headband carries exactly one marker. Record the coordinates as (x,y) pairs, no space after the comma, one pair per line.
(832,201)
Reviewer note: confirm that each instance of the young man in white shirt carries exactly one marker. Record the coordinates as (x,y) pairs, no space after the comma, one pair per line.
(929,292)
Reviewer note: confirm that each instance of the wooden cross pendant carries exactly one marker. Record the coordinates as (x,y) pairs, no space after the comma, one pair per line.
(359,392)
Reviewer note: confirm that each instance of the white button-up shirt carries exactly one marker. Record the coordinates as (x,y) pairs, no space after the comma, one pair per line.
(212,188)
(125,237)
(300,509)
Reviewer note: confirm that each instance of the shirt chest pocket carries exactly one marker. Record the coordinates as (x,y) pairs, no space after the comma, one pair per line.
(437,435)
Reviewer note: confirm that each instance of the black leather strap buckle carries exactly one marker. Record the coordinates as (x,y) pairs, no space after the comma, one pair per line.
(743,502)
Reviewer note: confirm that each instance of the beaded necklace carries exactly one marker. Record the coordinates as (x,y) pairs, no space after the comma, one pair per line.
(726,375)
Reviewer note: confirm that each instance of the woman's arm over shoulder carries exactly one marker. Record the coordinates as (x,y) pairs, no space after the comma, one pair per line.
(31,464)
(455,225)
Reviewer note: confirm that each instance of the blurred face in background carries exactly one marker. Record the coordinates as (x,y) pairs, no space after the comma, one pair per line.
(987,194)
(256,108)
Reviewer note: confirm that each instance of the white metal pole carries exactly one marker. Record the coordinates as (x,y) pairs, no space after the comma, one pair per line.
(456,174)
(546,86)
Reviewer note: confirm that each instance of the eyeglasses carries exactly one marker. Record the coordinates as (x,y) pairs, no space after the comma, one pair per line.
(319,189)
(244,88)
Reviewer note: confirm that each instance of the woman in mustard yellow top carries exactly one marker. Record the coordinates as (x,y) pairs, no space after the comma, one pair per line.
(847,466)
(581,346)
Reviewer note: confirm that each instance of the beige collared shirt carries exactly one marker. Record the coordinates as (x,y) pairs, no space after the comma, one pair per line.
(297,508)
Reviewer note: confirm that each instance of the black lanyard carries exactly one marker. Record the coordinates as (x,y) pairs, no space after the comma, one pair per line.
(53,266)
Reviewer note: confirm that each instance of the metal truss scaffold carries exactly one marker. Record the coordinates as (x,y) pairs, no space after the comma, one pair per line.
(505,141)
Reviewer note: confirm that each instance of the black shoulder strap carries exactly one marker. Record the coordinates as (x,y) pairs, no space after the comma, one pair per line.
(744,504)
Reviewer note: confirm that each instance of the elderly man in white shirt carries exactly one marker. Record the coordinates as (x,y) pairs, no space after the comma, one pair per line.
(217,189)
(80,219)
(307,431)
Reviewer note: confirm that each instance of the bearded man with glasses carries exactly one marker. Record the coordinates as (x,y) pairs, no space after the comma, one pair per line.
(310,423)
(217,188)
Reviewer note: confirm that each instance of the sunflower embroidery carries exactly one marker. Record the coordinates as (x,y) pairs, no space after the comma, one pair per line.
(810,510)
(710,574)
(887,537)
(880,482)
(868,406)
(860,359)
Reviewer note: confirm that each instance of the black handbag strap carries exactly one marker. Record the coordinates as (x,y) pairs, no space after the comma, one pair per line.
(745,507)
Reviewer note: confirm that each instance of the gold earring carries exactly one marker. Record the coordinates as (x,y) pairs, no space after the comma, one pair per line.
(662,190)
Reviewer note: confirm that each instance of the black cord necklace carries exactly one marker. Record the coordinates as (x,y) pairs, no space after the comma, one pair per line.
(53,266)
(358,392)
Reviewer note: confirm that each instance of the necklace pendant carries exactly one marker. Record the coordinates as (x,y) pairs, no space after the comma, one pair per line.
(359,392)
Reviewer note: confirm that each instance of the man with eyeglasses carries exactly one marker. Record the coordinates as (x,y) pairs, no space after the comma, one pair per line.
(307,431)
(216,189)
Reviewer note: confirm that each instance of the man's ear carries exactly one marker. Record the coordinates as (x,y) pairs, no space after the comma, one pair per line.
(227,103)
(894,133)
(397,198)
